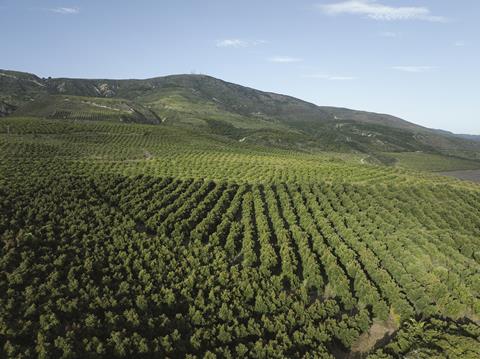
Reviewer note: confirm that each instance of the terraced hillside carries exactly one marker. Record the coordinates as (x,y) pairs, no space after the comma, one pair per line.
(120,239)
(204,103)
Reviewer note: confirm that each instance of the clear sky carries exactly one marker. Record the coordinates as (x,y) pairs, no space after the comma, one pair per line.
(418,60)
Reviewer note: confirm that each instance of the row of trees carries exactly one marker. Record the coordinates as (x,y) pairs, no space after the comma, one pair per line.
(111,265)
(167,151)
(433,338)
(80,276)
(424,281)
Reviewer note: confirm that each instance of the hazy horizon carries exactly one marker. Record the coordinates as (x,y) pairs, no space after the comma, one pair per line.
(412,59)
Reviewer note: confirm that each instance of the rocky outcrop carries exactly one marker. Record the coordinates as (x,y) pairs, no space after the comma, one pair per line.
(6,109)
(104,90)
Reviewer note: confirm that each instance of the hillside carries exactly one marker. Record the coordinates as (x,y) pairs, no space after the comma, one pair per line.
(470,137)
(121,239)
(229,110)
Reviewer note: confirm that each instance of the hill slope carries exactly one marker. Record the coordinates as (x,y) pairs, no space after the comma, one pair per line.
(22,87)
(136,240)
(229,110)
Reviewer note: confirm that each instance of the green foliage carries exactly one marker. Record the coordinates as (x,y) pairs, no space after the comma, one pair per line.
(430,162)
(130,240)
(435,338)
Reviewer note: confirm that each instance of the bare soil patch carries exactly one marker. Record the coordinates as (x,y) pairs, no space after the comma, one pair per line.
(379,331)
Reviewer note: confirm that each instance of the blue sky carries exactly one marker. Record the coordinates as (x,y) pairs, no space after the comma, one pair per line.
(418,60)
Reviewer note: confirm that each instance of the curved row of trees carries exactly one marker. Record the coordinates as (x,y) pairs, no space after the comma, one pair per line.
(111,265)
(222,249)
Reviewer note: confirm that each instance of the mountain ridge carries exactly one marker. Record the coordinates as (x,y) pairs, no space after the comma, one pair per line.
(51,83)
